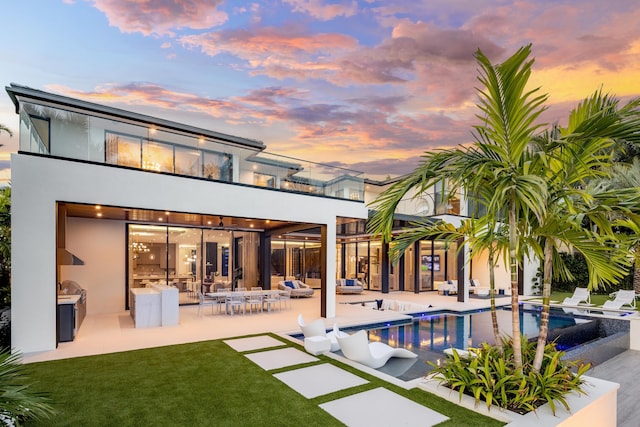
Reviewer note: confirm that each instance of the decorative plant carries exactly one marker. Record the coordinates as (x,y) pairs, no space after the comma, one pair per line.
(492,377)
(17,403)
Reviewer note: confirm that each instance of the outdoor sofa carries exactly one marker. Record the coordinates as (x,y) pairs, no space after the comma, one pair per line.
(349,286)
(296,288)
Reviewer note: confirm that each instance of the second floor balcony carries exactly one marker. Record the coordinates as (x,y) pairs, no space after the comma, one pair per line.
(62,127)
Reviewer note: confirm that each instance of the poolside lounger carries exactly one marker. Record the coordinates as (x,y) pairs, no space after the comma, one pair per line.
(580,295)
(375,355)
(623,298)
(317,329)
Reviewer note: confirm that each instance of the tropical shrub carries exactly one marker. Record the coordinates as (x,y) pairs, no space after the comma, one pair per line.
(490,375)
(17,403)
(577,266)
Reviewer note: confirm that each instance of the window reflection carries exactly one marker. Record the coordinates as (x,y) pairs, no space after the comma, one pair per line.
(123,150)
(157,157)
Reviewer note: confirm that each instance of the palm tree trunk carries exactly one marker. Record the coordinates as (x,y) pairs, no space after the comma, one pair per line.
(515,308)
(636,276)
(494,315)
(546,296)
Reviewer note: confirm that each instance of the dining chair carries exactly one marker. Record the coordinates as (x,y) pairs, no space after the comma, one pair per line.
(222,298)
(202,302)
(270,299)
(254,299)
(284,297)
(235,300)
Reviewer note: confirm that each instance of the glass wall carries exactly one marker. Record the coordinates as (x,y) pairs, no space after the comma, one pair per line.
(409,270)
(375,267)
(437,261)
(296,260)
(190,258)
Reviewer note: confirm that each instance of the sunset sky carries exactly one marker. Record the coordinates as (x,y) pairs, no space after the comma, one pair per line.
(369,85)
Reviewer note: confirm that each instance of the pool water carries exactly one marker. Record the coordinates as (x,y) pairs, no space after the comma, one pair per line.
(429,335)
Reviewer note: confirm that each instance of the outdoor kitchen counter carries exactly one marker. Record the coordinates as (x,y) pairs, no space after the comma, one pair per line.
(68,299)
(154,306)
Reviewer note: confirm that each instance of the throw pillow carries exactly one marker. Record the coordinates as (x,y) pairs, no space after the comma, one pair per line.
(351,282)
(290,284)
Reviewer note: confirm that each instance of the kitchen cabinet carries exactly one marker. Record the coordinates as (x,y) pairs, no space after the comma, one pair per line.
(71,312)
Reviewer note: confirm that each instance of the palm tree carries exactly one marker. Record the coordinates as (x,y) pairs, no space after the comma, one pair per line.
(495,168)
(574,157)
(624,175)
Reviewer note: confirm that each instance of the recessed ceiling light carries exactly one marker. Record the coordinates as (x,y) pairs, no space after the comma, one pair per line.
(99,214)
(160,219)
(208,222)
(98,207)
(167,212)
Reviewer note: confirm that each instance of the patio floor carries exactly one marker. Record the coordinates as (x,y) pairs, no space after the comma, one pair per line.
(114,332)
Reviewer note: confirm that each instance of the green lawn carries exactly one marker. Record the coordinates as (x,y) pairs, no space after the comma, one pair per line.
(197,384)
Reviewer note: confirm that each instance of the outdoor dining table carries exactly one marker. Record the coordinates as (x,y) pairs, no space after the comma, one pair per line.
(265,293)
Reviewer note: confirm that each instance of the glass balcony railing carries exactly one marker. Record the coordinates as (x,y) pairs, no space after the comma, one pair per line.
(78,135)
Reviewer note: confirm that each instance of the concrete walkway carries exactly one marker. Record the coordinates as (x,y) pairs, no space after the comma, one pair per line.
(623,369)
(359,409)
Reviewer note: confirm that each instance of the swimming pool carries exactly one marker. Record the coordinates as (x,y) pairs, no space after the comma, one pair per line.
(429,334)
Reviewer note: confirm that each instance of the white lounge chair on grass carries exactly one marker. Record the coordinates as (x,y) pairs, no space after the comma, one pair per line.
(580,295)
(317,329)
(375,355)
(622,298)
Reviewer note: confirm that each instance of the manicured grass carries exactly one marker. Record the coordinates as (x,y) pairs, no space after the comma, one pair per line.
(197,384)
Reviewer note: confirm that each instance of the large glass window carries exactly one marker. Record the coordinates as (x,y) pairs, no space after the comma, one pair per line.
(123,150)
(191,259)
(264,180)
(409,270)
(375,266)
(217,166)
(362,266)
(42,127)
(350,261)
(188,161)
(157,157)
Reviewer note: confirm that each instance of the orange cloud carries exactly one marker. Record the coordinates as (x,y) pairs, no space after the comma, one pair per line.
(161,17)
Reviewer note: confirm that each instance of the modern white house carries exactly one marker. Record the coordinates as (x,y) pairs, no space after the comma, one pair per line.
(114,201)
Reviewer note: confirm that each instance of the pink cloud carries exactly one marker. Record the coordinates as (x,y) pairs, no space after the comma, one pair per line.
(323,11)
(161,17)
(564,35)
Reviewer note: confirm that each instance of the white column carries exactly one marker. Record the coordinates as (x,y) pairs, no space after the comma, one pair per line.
(330,249)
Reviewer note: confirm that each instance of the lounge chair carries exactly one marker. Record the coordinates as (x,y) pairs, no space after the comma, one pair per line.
(349,286)
(298,289)
(375,355)
(580,295)
(317,329)
(623,298)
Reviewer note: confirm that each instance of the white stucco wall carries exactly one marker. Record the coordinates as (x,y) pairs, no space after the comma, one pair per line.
(39,182)
(480,270)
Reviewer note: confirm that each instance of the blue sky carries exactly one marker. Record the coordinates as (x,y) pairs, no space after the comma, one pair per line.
(364,84)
